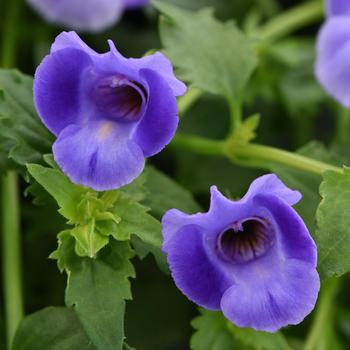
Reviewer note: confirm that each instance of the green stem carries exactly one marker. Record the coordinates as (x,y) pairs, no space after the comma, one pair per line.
(235,114)
(11,243)
(342,126)
(267,155)
(291,20)
(323,315)
(199,145)
(185,102)
(251,154)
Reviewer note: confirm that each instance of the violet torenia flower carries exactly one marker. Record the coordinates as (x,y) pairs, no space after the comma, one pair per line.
(333,50)
(253,258)
(84,15)
(108,112)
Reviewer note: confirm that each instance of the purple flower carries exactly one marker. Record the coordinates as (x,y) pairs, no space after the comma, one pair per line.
(84,15)
(333,50)
(338,7)
(108,112)
(254,258)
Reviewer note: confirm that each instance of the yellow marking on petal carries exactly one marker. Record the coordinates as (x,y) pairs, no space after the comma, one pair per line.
(105,131)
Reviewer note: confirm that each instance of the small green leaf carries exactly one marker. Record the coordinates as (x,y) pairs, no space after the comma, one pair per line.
(97,288)
(135,220)
(206,50)
(246,131)
(259,340)
(52,328)
(61,189)
(333,221)
(214,331)
(88,241)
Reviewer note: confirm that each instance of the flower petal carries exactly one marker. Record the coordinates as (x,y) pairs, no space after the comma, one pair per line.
(193,272)
(271,184)
(332,64)
(159,123)
(57,88)
(162,65)
(71,40)
(338,7)
(292,234)
(99,155)
(278,295)
(131,4)
(222,212)
(85,15)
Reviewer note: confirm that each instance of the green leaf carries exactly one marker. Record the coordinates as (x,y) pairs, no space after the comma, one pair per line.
(88,241)
(164,194)
(246,131)
(136,220)
(98,288)
(66,194)
(53,328)
(214,332)
(259,340)
(333,221)
(23,137)
(206,50)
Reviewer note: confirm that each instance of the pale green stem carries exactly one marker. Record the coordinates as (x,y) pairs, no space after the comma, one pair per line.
(342,126)
(291,20)
(11,243)
(323,314)
(185,102)
(11,251)
(251,154)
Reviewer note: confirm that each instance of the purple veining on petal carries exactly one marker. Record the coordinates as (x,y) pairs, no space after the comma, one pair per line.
(245,240)
(119,98)
(259,260)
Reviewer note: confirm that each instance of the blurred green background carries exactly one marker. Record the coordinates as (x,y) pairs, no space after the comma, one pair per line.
(294,110)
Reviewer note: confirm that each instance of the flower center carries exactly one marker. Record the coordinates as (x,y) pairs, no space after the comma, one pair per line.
(246,240)
(120,99)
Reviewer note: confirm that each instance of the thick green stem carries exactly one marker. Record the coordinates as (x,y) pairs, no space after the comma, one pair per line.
(342,126)
(199,145)
(267,155)
(291,20)
(251,154)
(11,255)
(186,101)
(235,114)
(11,244)
(323,315)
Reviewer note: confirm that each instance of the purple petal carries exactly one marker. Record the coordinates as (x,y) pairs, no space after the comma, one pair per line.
(338,7)
(281,293)
(99,155)
(222,213)
(131,4)
(71,40)
(332,64)
(294,237)
(271,184)
(57,88)
(194,274)
(159,124)
(161,64)
(84,15)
